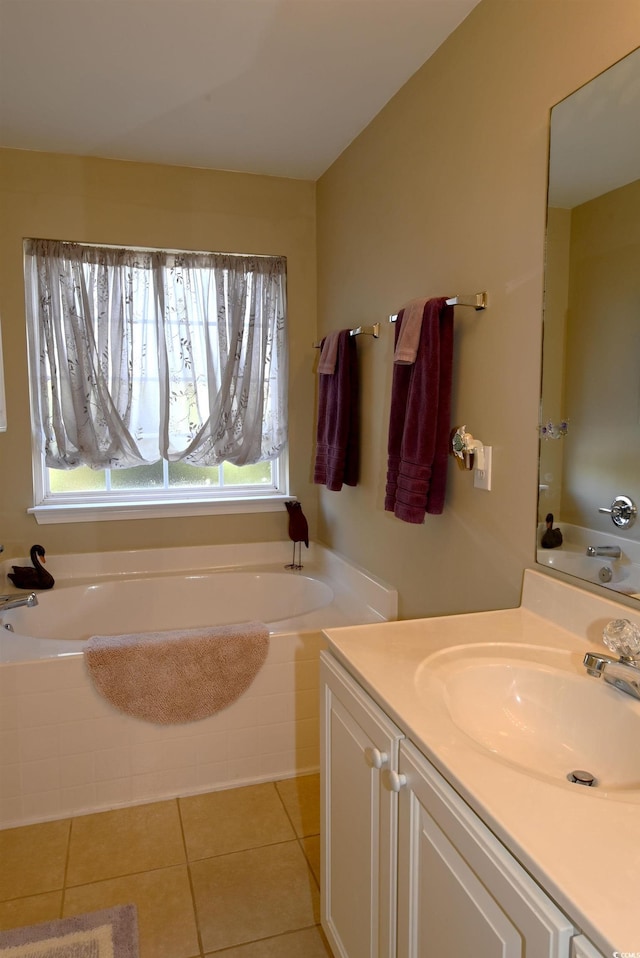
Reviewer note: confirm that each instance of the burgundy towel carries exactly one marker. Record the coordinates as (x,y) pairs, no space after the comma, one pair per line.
(338,431)
(419,421)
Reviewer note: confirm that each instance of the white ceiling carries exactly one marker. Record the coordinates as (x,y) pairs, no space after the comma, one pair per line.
(264,86)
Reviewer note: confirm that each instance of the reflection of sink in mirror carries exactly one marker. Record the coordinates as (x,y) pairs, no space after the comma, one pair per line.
(622,575)
(537,709)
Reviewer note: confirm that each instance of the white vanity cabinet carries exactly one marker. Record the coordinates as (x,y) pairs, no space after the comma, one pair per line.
(359,745)
(408,869)
(460,892)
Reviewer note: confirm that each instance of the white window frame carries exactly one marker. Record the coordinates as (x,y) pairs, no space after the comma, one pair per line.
(50,508)
(156,503)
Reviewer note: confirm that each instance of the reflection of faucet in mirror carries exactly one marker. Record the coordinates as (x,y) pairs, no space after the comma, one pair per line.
(591,325)
(614,552)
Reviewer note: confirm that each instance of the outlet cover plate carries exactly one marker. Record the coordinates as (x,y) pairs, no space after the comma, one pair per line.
(482,477)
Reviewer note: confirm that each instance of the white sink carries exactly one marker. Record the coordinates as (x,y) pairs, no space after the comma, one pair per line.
(538,710)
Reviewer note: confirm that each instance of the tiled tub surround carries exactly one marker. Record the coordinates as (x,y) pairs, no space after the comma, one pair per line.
(65,751)
(580,844)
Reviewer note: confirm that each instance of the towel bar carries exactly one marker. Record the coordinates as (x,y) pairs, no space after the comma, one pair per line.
(479,301)
(360,331)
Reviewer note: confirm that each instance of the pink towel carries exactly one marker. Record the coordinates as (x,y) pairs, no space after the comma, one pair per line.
(408,336)
(338,431)
(419,422)
(329,354)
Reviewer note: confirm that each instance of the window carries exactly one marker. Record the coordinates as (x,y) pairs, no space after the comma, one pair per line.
(158,380)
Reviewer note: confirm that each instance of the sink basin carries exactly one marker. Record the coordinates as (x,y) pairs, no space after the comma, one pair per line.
(538,710)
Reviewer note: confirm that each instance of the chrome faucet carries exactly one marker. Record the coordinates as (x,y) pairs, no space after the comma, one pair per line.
(613,552)
(621,636)
(17,601)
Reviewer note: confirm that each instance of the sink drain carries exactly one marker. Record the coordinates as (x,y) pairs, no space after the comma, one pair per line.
(580,777)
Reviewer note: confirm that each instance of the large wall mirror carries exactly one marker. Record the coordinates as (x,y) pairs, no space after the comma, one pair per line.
(590,405)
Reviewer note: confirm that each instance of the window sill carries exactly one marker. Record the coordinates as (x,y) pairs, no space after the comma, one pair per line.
(49,513)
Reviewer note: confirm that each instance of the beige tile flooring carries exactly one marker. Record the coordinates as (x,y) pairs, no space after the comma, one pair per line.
(232,873)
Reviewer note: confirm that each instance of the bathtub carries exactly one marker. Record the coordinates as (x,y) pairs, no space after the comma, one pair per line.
(65,751)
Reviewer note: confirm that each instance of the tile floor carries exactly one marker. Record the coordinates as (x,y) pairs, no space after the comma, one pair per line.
(232,873)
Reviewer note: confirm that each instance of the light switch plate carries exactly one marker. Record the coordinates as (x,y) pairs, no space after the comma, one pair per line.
(482,477)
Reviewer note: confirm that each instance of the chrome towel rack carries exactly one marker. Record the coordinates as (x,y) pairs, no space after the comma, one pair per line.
(478,301)
(360,331)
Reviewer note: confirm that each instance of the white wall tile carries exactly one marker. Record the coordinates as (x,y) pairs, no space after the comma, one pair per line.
(159,756)
(9,748)
(215,775)
(76,770)
(43,776)
(41,806)
(11,812)
(78,799)
(112,764)
(243,743)
(115,792)
(212,748)
(38,743)
(10,782)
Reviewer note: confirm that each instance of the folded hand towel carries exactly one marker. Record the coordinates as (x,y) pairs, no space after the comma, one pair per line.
(338,429)
(419,421)
(177,676)
(408,337)
(329,354)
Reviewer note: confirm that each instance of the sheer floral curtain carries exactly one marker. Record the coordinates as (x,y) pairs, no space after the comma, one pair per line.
(149,355)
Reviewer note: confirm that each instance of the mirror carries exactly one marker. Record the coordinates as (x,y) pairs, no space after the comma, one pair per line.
(590,403)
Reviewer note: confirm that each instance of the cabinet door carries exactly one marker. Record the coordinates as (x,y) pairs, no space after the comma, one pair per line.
(359,819)
(460,892)
(581,947)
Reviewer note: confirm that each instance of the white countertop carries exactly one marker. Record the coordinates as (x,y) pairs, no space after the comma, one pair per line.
(581,844)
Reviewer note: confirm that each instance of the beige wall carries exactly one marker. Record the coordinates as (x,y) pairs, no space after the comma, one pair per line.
(104,201)
(445,192)
(603,352)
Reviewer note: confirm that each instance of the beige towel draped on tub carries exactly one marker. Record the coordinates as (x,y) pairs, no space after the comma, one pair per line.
(177,676)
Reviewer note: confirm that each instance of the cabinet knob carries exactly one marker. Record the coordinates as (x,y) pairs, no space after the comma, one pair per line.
(397,781)
(375,758)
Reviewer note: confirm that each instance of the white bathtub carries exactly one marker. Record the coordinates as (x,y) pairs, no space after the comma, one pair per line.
(70,613)
(65,751)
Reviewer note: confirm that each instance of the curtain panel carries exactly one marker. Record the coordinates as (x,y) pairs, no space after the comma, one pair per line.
(138,356)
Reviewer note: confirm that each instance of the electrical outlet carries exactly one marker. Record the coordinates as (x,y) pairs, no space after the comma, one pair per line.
(482,477)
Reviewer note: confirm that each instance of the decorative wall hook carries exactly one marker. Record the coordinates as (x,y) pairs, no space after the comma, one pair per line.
(469,450)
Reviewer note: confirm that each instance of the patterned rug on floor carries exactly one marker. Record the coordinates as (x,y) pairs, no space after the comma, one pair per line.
(111,933)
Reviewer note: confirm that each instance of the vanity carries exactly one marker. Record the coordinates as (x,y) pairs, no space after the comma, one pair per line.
(451,820)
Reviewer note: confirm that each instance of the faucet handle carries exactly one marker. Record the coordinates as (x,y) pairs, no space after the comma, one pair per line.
(622,637)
